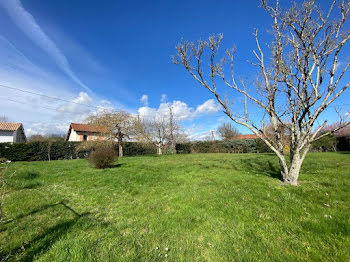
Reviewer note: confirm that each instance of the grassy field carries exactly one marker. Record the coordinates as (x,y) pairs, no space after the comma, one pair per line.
(204,207)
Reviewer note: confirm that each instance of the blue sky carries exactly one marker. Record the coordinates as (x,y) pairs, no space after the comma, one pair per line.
(113,53)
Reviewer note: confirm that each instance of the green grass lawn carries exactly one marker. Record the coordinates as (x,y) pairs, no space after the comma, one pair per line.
(203,207)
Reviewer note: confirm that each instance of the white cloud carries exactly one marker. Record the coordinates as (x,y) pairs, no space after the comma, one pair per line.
(47,128)
(26,22)
(199,132)
(81,104)
(208,107)
(144,100)
(180,109)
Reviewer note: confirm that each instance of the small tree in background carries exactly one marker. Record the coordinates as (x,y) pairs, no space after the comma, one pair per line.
(227,131)
(175,133)
(119,125)
(162,131)
(50,139)
(44,138)
(300,78)
(152,131)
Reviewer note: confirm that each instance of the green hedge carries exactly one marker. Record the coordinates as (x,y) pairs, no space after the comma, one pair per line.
(331,143)
(327,143)
(343,143)
(38,151)
(233,146)
(134,148)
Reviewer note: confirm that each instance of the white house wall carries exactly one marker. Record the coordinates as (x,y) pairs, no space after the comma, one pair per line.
(73,136)
(78,136)
(6,136)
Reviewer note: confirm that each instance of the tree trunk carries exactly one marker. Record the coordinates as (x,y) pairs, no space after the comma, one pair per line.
(49,150)
(291,177)
(159,149)
(120,149)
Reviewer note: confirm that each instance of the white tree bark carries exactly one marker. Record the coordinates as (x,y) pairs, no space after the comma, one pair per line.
(120,147)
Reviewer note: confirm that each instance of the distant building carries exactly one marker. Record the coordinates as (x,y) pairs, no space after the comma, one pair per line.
(12,133)
(85,132)
(249,136)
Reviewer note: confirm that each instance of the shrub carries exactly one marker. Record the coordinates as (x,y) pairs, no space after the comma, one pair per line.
(103,155)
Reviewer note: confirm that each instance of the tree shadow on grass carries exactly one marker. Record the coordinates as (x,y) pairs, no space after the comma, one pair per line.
(26,180)
(116,165)
(262,167)
(42,242)
(40,209)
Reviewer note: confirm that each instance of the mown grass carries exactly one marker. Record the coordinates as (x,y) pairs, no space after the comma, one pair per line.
(204,207)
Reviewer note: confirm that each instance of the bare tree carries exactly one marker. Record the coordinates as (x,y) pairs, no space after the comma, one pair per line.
(152,131)
(49,137)
(162,131)
(227,131)
(298,79)
(119,125)
(174,131)
(36,138)
(172,127)
(344,132)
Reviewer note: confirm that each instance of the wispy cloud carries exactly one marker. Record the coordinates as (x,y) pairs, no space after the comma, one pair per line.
(26,22)
(144,100)
(163,98)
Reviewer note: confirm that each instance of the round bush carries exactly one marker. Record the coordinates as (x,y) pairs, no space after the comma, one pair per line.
(103,155)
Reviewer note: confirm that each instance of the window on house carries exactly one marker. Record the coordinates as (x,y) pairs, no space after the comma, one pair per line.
(85,137)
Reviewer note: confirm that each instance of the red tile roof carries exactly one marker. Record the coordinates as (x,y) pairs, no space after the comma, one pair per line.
(88,128)
(249,136)
(9,126)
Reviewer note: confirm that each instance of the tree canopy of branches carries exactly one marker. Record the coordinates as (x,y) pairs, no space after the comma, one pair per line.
(161,131)
(227,131)
(153,131)
(119,125)
(298,77)
(41,138)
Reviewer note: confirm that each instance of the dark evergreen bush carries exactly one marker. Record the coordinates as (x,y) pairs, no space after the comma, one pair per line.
(343,143)
(184,148)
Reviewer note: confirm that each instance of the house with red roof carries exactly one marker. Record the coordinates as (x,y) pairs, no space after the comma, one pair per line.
(248,136)
(86,132)
(12,133)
